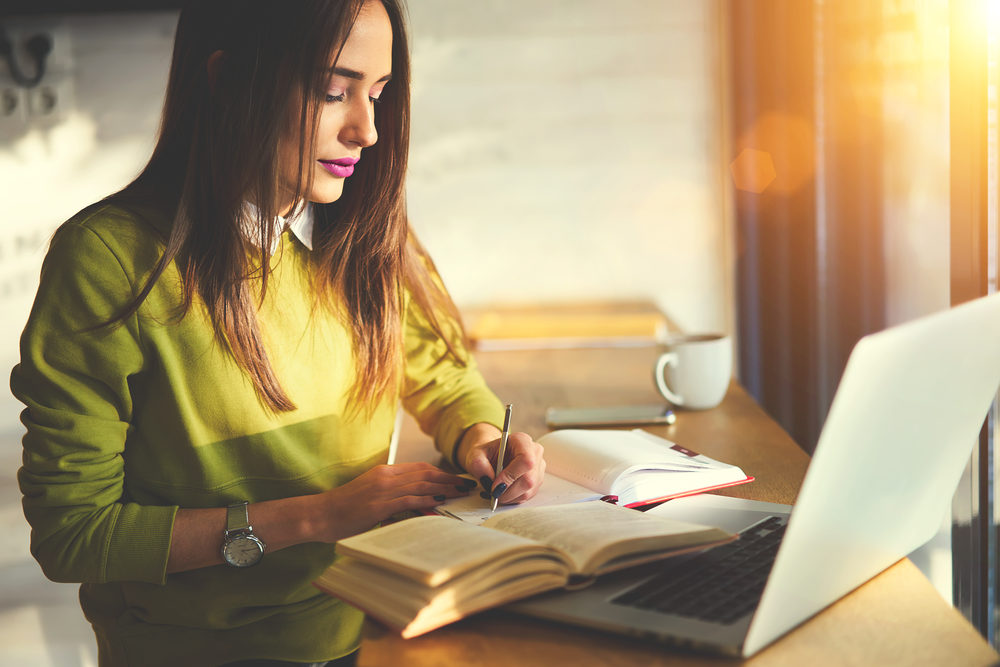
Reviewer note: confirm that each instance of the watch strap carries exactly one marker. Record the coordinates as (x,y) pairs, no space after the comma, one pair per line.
(237,517)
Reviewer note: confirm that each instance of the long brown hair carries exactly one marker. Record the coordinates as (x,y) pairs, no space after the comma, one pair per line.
(218,149)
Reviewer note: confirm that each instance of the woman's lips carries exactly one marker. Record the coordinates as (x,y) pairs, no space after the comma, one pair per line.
(341,167)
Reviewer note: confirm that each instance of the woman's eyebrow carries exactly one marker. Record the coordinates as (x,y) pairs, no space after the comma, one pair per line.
(354,74)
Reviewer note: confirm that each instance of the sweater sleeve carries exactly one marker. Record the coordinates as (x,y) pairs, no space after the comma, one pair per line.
(445,394)
(75,380)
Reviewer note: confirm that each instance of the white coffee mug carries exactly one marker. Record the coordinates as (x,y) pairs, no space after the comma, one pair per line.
(695,370)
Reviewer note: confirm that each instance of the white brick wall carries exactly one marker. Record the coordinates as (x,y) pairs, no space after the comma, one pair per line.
(569,150)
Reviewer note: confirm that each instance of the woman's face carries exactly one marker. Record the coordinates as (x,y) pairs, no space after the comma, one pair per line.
(347,113)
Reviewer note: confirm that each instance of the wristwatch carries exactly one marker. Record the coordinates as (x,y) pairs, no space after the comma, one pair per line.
(240,547)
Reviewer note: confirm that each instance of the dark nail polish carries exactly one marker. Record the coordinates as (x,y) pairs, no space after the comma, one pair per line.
(486,482)
(440,497)
(497,492)
(485,495)
(468,484)
(461,488)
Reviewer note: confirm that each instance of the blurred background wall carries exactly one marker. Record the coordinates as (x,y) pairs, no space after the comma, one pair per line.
(112,72)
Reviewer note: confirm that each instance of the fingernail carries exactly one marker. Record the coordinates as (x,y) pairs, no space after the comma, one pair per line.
(462,488)
(498,491)
(440,497)
(486,482)
(468,484)
(485,495)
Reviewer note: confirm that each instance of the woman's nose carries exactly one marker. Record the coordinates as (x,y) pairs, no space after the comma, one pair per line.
(360,126)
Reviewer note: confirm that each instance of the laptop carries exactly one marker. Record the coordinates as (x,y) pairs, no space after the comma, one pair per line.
(903,422)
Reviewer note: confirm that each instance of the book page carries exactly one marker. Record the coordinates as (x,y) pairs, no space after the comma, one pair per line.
(604,459)
(554,491)
(414,609)
(586,457)
(594,458)
(431,549)
(583,530)
(641,485)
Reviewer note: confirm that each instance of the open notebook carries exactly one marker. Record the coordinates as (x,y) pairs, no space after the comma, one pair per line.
(633,468)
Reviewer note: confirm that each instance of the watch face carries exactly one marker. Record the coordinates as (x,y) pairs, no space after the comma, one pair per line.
(242,551)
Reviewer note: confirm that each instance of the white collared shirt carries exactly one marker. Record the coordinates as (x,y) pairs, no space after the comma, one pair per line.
(300,222)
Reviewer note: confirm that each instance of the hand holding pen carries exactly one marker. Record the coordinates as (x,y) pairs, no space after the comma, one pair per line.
(504,435)
(518,475)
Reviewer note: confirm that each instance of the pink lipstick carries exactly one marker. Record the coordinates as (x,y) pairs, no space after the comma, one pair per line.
(341,167)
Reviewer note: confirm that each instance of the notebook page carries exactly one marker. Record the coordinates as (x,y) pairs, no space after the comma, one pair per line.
(596,458)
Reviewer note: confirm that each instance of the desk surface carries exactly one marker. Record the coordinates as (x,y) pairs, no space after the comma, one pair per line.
(896,618)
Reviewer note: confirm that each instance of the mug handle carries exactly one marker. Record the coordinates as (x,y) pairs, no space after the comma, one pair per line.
(666,359)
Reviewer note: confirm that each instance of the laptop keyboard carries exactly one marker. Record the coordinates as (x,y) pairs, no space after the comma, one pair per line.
(720,585)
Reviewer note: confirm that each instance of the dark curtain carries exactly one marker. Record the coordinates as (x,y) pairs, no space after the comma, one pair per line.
(807,173)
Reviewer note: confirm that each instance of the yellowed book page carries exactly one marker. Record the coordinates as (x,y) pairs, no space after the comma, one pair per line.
(433,549)
(397,601)
(447,608)
(586,532)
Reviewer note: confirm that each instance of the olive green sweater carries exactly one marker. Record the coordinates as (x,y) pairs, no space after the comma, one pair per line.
(127,424)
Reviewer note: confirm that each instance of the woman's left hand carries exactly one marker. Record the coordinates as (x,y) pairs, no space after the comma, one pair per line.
(523,468)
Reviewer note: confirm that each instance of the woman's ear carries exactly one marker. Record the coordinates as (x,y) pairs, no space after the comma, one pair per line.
(213,66)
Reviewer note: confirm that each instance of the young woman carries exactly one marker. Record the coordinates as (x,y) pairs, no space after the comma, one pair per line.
(216,353)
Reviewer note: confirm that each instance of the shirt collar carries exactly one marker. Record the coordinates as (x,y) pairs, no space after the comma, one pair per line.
(300,222)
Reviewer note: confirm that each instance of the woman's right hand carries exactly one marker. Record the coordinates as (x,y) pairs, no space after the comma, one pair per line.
(381,492)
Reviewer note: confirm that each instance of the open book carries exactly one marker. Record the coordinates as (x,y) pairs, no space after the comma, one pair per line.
(425,572)
(635,466)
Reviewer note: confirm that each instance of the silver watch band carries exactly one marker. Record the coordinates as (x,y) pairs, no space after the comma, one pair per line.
(237,517)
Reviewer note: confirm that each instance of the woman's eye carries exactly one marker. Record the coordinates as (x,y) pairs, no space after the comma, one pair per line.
(375,93)
(331,97)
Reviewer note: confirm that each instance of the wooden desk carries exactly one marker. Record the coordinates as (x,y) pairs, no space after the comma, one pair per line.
(898,618)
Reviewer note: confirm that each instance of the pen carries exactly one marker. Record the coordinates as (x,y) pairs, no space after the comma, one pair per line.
(503,448)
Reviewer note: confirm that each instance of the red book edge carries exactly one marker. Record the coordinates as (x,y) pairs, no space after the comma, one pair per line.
(685,494)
